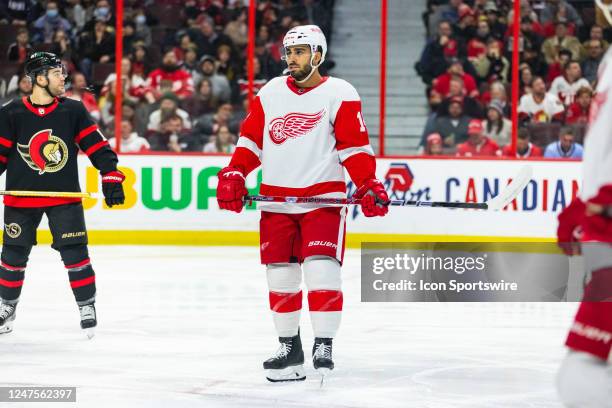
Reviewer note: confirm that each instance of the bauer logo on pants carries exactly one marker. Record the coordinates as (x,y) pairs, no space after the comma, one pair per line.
(44,153)
(13,230)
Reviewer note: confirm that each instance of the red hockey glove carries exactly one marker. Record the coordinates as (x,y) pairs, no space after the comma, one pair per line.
(231,189)
(112,188)
(598,221)
(569,229)
(374,198)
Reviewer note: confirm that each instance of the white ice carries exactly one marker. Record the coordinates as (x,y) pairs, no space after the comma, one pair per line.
(189,327)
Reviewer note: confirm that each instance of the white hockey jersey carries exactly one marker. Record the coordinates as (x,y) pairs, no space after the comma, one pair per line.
(302,137)
(565,91)
(597,158)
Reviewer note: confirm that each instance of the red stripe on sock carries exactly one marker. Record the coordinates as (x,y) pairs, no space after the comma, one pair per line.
(82,282)
(285,302)
(13,268)
(11,284)
(79,264)
(325,300)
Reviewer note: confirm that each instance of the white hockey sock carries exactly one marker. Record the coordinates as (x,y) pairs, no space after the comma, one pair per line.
(585,381)
(285,297)
(322,276)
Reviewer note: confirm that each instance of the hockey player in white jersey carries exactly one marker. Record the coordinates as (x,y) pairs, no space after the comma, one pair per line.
(304,130)
(585,226)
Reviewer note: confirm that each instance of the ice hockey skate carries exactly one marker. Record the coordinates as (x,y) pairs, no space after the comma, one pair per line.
(88,319)
(287,364)
(7,317)
(322,357)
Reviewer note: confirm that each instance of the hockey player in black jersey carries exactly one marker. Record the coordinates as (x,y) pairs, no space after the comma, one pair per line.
(40,137)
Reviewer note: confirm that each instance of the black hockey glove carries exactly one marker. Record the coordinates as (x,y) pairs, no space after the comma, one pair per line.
(112,188)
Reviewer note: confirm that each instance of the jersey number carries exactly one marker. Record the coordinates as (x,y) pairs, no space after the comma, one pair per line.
(362,127)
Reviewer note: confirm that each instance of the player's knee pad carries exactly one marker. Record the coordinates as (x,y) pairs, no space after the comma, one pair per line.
(16,256)
(284,277)
(322,273)
(74,255)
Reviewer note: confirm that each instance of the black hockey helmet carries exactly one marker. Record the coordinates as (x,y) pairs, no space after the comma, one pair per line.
(41,62)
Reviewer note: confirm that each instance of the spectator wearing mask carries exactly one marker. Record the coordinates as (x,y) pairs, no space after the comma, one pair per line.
(101,12)
(540,106)
(496,126)
(223,142)
(78,92)
(566,147)
(477,144)
(130,141)
(578,112)
(566,86)
(524,148)
(172,137)
(220,85)
(170,77)
(561,40)
(21,48)
(452,126)
(50,22)
(168,106)
(433,145)
(590,65)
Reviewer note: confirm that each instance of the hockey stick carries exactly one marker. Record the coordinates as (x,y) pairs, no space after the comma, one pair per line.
(55,194)
(495,204)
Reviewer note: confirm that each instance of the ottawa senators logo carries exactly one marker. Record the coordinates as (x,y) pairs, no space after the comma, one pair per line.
(294,125)
(44,153)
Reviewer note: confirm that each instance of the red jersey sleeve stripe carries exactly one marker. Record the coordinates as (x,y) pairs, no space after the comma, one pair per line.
(85,132)
(5,142)
(96,147)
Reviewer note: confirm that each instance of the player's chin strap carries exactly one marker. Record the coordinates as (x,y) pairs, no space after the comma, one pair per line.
(312,70)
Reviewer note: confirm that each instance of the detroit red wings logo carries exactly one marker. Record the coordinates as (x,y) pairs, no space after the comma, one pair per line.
(44,153)
(294,125)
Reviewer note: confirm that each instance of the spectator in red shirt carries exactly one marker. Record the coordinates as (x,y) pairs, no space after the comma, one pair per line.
(477,145)
(524,148)
(441,85)
(578,112)
(170,77)
(433,146)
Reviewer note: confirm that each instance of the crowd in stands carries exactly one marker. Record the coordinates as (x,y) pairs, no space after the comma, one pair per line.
(183,65)
(466,65)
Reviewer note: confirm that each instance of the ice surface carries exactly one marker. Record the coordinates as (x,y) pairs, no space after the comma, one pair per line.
(189,327)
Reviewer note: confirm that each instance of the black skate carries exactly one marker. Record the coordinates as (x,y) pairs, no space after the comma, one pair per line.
(88,319)
(288,362)
(322,356)
(7,317)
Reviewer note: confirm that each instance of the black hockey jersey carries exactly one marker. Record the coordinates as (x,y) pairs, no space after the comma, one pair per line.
(39,147)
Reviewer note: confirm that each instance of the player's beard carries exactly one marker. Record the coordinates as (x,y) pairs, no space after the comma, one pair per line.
(302,73)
